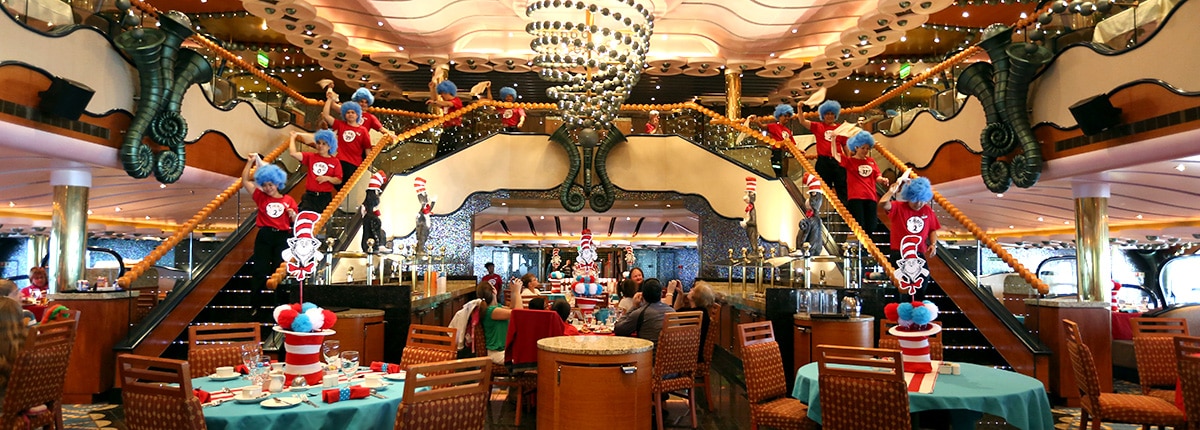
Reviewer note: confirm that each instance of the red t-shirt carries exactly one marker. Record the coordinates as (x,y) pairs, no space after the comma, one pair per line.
(495,280)
(272,211)
(318,165)
(510,117)
(371,122)
(353,141)
(779,131)
(650,128)
(907,222)
(826,140)
(457,104)
(860,178)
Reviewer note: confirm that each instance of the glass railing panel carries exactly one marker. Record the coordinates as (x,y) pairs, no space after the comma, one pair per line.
(721,139)
(413,150)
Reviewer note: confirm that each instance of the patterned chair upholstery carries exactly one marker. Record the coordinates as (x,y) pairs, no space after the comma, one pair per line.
(157,394)
(879,382)
(429,344)
(766,387)
(887,341)
(454,395)
(675,359)
(524,383)
(205,361)
(214,345)
(1154,350)
(420,355)
(1111,407)
(710,343)
(1187,353)
(38,375)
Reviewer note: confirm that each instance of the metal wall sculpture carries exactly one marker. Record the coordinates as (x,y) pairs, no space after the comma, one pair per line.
(1002,87)
(165,71)
(595,148)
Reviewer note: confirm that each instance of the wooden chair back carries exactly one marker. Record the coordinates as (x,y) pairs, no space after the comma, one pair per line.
(1084,367)
(678,346)
(215,345)
(446,395)
(1187,359)
(429,344)
(754,333)
(1159,326)
(862,376)
(889,341)
(157,393)
(39,372)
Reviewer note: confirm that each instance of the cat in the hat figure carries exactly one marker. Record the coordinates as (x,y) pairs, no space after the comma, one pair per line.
(750,219)
(424,213)
(910,266)
(302,254)
(586,282)
(372,226)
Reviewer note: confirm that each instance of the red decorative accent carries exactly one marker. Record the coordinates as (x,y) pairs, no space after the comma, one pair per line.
(299,357)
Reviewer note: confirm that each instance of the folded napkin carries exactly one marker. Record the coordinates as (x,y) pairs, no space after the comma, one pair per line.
(204,396)
(385,368)
(334,395)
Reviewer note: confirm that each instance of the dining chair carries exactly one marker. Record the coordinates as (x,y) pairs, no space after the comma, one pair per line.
(157,393)
(447,395)
(1112,407)
(675,360)
(215,345)
(523,383)
(703,380)
(1187,358)
(38,375)
(871,390)
(766,388)
(889,341)
(1154,350)
(429,344)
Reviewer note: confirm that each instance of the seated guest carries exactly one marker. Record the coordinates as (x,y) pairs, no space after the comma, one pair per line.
(38,280)
(628,289)
(9,289)
(531,285)
(646,319)
(495,319)
(564,311)
(12,338)
(537,303)
(700,298)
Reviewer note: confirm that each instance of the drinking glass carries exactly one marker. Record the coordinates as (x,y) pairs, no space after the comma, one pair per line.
(330,350)
(250,357)
(263,368)
(349,364)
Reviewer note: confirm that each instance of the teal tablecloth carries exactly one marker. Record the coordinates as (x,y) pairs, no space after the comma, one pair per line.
(1017,398)
(365,413)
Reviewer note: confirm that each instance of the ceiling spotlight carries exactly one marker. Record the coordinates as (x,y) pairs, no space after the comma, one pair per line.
(1012,226)
(162,185)
(1000,195)
(1041,219)
(1139,216)
(89,211)
(147,217)
(12,205)
(903,38)
(856,91)
(381,22)
(118,209)
(1180,167)
(794,30)
(966,14)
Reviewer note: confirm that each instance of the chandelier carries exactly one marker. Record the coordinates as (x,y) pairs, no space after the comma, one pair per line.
(594,50)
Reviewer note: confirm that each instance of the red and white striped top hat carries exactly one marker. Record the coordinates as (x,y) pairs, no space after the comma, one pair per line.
(751,184)
(813,182)
(585,242)
(419,185)
(377,181)
(908,246)
(305,221)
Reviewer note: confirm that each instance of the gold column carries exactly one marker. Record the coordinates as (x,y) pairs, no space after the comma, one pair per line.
(1091,241)
(68,226)
(733,93)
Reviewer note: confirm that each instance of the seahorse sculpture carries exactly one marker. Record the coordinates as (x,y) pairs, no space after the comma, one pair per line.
(594,158)
(165,71)
(1002,87)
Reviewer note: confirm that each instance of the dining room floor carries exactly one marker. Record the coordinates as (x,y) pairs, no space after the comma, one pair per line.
(730,412)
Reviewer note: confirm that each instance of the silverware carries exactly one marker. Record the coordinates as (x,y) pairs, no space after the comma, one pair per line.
(306,401)
(376,394)
(213,403)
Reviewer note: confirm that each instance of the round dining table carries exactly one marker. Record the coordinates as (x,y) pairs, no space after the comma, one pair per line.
(1019,399)
(365,413)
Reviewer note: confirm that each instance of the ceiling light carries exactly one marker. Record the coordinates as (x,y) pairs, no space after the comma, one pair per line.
(381,23)
(668,205)
(399,48)
(1001,195)
(1041,219)
(1180,167)
(162,185)
(147,217)
(966,14)
(635,205)
(856,91)
(658,87)
(882,67)
(503,204)
(903,38)
(542,217)
(1012,226)
(12,205)
(1139,216)
(118,209)
(1066,222)
(299,75)
(89,211)
(626,218)
(264,25)
(1024,15)
(794,30)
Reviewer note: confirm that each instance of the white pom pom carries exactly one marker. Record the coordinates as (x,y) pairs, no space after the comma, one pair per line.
(933,309)
(317,318)
(279,309)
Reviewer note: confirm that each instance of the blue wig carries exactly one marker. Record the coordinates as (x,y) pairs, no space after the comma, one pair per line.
(272,174)
(860,139)
(830,106)
(447,87)
(508,91)
(917,190)
(352,107)
(329,138)
(783,109)
(364,95)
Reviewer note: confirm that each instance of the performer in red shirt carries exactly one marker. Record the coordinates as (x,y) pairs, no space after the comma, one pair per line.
(831,149)
(354,139)
(861,175)
(274,221)
(323,168)
(652,124)
(779,130)
(914,228)
(511,118)
(446,96)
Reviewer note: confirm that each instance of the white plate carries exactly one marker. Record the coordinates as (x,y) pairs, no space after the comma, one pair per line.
(381,387)
(279,402)
(215,377)
(398,376)
(238,398)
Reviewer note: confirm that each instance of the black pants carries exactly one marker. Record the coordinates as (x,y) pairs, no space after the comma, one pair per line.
(315,201)
(833,174)
(268,255)
(347,171)
(863,211)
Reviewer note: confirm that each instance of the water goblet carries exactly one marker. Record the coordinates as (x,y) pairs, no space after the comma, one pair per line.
(250,357)
(349,364)
(330,350)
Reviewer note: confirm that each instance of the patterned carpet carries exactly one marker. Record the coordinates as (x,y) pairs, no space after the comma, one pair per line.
(97,416)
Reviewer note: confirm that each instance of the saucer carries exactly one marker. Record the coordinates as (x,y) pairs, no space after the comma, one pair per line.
(398,376)
(280,402)
(381,387)
(217,377)
(238,398)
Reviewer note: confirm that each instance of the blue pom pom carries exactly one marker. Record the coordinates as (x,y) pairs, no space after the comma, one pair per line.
(921,316)
(905,311)
(302,324)
(306,306)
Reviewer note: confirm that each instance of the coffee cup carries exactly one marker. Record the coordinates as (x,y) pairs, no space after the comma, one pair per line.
(225,371)
(373,380)
(251,392)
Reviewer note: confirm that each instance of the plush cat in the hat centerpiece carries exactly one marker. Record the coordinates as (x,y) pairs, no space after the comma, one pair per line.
(914,326)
